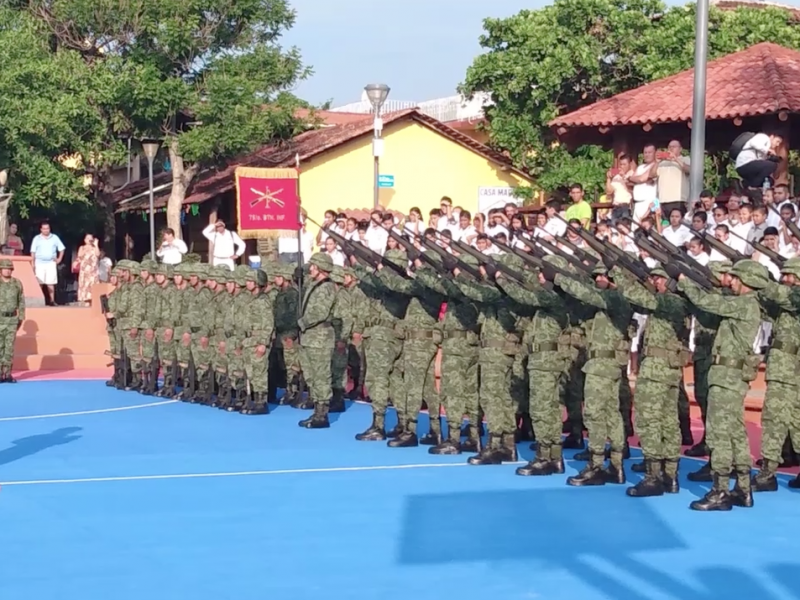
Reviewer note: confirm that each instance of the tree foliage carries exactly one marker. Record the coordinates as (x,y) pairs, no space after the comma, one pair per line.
(539,64)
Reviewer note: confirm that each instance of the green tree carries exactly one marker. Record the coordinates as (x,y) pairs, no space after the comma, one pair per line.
(208,77)
(539,64)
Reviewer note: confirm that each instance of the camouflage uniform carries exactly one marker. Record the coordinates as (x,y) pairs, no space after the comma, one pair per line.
(242,329)
(170,311)
(357,306)
(132,314)
(151,313)
(549,353)
(734,366)
(316,329)
(608,349)
(781,412)
(459,370)
(341,318)
(256,345)
(114,338)
(12,314)
(186,273)
(665,354)
(286,301)
(202,316)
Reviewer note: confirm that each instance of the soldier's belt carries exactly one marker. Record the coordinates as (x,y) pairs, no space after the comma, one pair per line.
(544,347)
(507,346)
(194,329)
(383,323)
(458,334)
(13,313)
(733,363)
(602,354)
(787,347)
(419,334)
(657,353)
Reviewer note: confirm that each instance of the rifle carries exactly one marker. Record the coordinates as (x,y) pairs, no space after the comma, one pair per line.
(680,255)
(582,254)
(686,269)
(573,260)
(485,259)
(530,259)
(770,254)
(726,251)
(412,252)
(106,308)
(447,257)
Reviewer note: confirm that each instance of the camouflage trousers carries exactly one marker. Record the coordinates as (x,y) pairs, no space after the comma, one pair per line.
(167,347)
(339,367)
(202,354)
(183,346)
(602,416)
(546,389)
(726,434)
(355,360)
(316,366)
(494,392)
(626,403)
(459,387)
(133,348)
(384,375)
(520,382)
(290,354)
(657,418)
(149,345)
(419,379)
(256,364)
(114,342)
(227,354)
(574,387)
(779,417)
(8,333)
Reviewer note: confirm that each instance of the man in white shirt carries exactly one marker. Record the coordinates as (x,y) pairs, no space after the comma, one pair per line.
(673,179)
(446,218)
(376,235)
(644,184)
(676,232)
(226,245)
(465,232)
(756,161)
(554,227)
(172,249)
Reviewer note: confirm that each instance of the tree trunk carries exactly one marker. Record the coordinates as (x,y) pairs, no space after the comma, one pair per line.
(182,177)
(104,198)
(5,200)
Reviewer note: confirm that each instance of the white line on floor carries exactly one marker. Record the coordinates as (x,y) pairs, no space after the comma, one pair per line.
(242,473)
(88,412)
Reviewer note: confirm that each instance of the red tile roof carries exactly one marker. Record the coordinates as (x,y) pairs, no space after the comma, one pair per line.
(763,79)
(308,145)
(329,117)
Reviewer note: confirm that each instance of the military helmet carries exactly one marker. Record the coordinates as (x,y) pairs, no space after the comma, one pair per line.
(397,257)
(349,271)
(752,274)
(599,269)
(6,263)
(658,271)
(337,274)
(252,275)
(468,259)
(322,261)
(240,278)
(149,265)
(720,267)
(261,277)
(791,267)
(557,261)
(510,260)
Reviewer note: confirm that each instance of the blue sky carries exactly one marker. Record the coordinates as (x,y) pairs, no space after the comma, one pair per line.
(421,48)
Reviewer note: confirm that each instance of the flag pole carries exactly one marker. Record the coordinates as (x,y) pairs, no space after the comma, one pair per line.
(299,230)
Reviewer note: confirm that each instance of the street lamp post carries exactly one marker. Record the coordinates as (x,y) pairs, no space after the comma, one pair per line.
(698,144)
(150,149)
(377,94)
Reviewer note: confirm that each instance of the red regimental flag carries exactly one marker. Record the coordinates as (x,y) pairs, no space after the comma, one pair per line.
(266,201)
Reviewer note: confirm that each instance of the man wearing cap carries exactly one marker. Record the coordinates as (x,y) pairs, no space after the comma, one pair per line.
(242,330)
(356,302)
(203,318)
(223,341)
(781,412)
(734,366)
(153,278)
(286,303)
(12,314)
(114,342)
(547,360)
(172,325)
(227,246)
(705,329)
(608,353)
(342,327)
(130,323)
(665,354)
(255,346)
(317,332)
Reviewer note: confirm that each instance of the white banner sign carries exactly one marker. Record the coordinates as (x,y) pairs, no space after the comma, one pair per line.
(496,197)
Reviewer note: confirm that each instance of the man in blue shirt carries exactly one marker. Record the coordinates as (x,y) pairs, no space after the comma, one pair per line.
(48,252)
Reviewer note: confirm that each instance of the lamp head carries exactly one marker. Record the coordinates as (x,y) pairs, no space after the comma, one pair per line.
(150,148)
(377,94)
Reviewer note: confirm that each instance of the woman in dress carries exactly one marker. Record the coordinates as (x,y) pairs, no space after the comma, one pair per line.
(88,257)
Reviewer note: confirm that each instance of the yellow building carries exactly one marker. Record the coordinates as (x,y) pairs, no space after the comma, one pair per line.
(426,159)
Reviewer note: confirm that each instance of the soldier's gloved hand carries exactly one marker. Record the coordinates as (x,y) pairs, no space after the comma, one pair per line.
(672,270)
(609,261)
(548,272)
(490,269)
(261,350)
(449,262)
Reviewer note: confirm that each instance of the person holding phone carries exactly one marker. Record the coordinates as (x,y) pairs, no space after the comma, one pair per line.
(644,184)
(87,268)
(673,178)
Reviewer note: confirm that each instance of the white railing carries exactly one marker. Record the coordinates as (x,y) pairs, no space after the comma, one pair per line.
(451,108)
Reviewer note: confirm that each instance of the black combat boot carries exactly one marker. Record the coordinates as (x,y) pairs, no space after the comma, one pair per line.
(541,466)
(765,480)
(448,447)
(702,475)
(375,432)
(719,498)
(473,441)
(407,439)
(742,493)
(699,450)
(615,471)
(669,476)
(318,420)
(795,483)
(652,484)
(256,404)
(493,454)
(639,467)
(591,475)
(337,402)
(583,455)
(434,435)
(303,402)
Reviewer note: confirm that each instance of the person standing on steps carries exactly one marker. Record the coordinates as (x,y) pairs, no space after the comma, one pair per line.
(47,251)
(734,366)
(12,314)
(228,247)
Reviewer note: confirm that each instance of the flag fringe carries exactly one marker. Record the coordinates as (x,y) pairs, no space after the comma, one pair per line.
(266,234)
(263,173)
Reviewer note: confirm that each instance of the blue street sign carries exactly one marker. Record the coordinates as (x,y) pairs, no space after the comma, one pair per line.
(386,181)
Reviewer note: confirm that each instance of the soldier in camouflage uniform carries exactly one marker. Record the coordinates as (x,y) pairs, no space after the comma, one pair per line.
(151,313)
(187,282)
(357,303)
(781,412)
(261,320)
(734,366)
(170,310)
(12,314)
(608,350)
(316,328)
(665,354)
(423,335)
(705,328)
(287,336)
(130,321)
(242,329)
(547,359)
(202,316)
(225,338)
(460,349)
(114,339)
(341,318)
(383,345)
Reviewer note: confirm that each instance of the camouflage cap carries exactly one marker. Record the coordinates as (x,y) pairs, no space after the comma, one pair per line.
(149,265)
(282,270)
(510,260)
(252,275)
(752,274)
(6,263)
(557,261)
(322,261)
(219,274)
(240,278)
(350,271)
(124,265)
(791,267)
(720,267)
(397,257)
(337,274)
(599,269)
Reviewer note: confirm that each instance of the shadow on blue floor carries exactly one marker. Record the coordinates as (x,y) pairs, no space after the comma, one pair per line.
(32,444)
